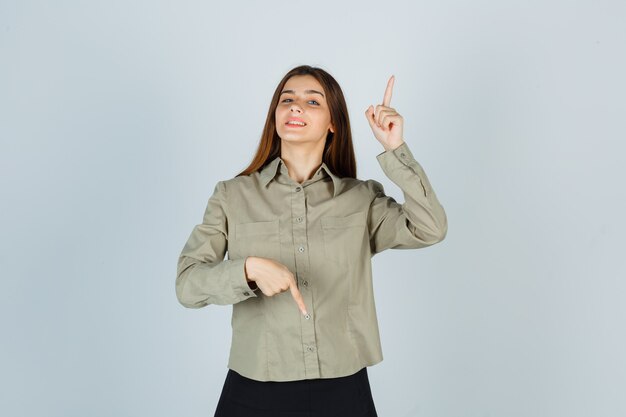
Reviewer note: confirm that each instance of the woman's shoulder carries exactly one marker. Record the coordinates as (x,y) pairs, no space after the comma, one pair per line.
(237,184)
(241,180)
(369,184)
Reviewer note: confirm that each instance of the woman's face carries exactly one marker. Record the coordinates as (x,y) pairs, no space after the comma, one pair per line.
(303,100)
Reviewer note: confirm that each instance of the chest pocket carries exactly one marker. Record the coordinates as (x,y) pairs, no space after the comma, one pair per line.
(344,237)
(256,239)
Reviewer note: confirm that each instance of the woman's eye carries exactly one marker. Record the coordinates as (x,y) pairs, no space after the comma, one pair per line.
(314,101)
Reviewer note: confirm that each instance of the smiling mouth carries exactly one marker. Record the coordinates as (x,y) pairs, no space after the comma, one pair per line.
(295,124)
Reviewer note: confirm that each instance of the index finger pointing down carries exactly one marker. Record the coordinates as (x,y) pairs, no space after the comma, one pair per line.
(295,293)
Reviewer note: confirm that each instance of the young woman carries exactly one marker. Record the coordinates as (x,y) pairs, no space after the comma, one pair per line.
(300,230)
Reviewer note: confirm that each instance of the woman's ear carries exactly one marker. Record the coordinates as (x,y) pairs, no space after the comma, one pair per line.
(332,129)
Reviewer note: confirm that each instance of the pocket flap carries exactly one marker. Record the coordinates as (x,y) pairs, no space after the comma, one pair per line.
(256,228)
(354,219)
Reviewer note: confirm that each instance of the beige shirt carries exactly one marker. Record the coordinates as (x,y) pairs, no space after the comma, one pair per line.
(326,231)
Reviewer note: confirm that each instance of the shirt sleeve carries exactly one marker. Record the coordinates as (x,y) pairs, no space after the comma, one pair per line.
(421,221)
(203,276)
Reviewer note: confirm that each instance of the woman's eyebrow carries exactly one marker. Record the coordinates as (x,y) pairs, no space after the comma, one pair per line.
(306,92)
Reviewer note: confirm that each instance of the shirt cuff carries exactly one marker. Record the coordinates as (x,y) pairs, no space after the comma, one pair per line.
(241,289)
(399,159)
(402,153)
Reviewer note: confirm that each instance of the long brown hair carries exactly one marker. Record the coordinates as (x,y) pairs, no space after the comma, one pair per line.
(338,152)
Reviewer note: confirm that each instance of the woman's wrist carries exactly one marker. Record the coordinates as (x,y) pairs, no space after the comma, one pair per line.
(247,268)
(393,146)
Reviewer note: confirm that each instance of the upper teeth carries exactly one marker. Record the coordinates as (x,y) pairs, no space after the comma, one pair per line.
(293,122)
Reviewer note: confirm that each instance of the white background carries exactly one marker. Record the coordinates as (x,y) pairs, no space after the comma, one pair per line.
(117,119)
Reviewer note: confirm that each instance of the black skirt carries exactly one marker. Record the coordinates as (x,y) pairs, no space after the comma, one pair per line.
(348,396)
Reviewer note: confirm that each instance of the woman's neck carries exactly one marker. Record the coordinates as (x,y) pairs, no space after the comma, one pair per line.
(301,161)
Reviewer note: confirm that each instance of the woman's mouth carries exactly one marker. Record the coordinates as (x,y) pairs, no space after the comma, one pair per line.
(296,123)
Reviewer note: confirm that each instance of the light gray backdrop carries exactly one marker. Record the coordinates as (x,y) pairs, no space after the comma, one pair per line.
(117,118)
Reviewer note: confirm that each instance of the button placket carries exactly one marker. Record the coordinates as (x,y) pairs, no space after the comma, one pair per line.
(298,213)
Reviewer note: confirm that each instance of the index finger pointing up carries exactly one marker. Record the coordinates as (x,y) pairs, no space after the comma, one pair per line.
(388,90)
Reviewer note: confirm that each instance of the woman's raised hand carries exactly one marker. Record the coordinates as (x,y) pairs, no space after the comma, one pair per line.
(385,121)
(273,278)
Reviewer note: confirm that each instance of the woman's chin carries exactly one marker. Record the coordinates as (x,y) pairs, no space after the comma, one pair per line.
(296,138)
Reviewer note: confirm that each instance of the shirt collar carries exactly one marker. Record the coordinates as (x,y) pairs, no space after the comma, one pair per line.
(269,172)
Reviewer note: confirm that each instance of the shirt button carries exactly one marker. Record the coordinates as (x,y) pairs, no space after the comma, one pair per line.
(403,154)
(301,249)
(307,317)
(246,293)
(298,188)
(305,283)
(310,348)
(299,219)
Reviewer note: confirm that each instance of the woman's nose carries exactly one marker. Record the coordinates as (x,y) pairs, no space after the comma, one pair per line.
(296,108)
